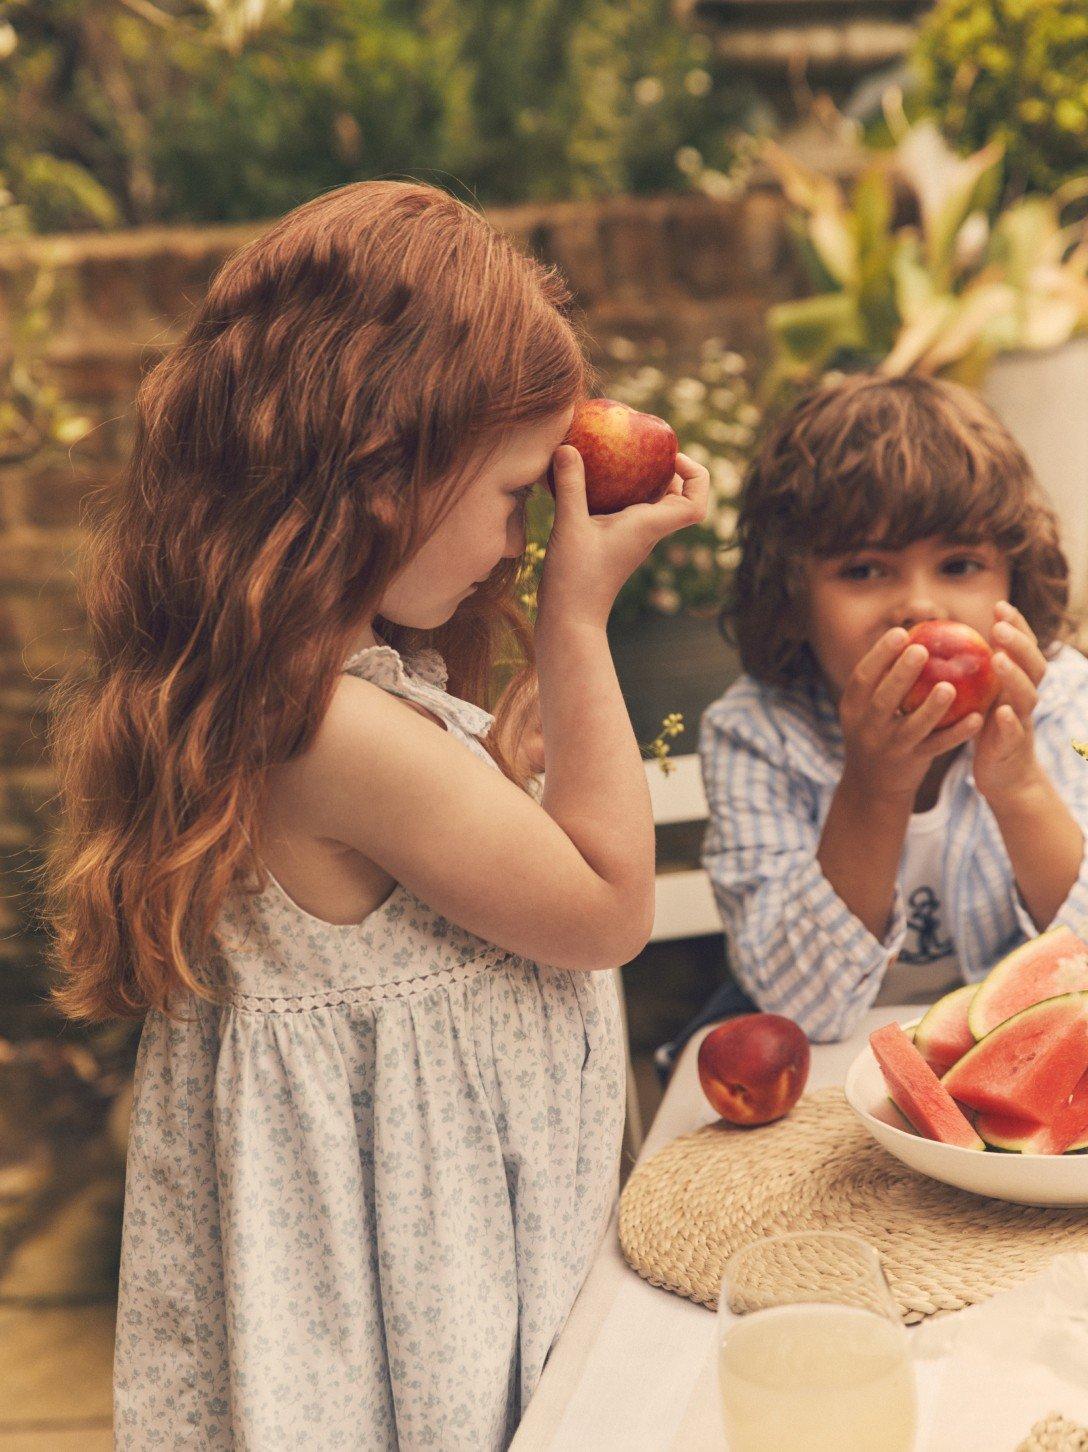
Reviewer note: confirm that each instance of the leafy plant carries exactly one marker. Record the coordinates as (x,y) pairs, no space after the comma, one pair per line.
(131,111)
(921,268)
(1015,72)
(33,414)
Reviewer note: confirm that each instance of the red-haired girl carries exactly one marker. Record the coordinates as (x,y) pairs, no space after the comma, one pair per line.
(379,1090)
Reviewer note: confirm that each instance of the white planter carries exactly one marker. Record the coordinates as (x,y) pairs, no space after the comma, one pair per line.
(1042,399)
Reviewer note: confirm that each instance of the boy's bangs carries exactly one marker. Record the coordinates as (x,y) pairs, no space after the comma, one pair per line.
(870,512)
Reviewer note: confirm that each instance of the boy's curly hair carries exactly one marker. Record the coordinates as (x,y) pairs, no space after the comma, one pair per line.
(891,459)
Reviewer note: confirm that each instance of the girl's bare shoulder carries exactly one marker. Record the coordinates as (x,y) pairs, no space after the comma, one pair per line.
(359,712)
(353,696)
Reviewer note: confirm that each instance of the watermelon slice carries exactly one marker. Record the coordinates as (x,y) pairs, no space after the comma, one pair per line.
(1028,1066)
(916,1091)
(1068,1130)
(943,1035)
(1054,963)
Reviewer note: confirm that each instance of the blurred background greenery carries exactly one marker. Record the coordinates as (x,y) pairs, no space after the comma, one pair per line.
(131,111)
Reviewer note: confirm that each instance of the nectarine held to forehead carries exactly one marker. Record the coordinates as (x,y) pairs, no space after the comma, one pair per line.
(629,457)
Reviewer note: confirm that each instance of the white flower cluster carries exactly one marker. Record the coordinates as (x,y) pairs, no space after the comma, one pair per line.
(726,185)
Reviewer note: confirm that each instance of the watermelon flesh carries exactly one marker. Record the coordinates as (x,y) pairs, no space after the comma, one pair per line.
(1067,1131)
(943,1035)
(916,1091)
(1052,964)
(1027,1067)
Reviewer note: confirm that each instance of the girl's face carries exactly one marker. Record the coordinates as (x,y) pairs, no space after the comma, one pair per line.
(485,525)
(854,598)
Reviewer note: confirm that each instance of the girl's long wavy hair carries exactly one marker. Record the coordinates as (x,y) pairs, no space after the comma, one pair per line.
(290,454)
(896,459)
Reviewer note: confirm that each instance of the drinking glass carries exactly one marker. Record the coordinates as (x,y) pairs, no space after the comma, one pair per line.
(811,1350)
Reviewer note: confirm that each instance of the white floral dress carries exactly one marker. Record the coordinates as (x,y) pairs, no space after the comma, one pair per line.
(363,1194)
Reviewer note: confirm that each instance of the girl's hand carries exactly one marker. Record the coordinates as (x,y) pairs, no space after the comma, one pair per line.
(888,753)
(591,555)
(1005,765)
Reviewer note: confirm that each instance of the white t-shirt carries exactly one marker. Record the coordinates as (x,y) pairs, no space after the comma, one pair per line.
(926,966)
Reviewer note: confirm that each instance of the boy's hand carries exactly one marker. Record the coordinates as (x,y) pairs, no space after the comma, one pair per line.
(1005,765)
(888,753)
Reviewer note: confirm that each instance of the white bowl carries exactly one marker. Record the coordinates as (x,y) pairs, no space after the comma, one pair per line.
(1025,1179)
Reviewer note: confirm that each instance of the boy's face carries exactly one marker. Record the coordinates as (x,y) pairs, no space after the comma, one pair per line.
(854,598)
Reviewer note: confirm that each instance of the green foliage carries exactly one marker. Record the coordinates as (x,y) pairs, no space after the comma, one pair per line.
(939,291)
(129,111)
(33,415)
(1012,71)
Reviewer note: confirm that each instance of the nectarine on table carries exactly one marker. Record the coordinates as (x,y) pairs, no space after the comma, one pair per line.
(753,1068)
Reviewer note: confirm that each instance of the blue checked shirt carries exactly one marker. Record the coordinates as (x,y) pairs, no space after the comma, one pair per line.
(771,759)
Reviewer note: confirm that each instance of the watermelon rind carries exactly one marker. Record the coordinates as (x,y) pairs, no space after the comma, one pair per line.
(943,1034)
(1041,1065)
(1053,964)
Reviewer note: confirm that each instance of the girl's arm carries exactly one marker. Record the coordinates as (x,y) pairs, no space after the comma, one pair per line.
(568,882)
(407,795)
(794,945)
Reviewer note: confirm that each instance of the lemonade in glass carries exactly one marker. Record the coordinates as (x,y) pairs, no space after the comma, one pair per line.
(811,1350)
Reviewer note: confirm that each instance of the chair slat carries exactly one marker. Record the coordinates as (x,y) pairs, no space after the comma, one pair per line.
(684,906)
(679,796)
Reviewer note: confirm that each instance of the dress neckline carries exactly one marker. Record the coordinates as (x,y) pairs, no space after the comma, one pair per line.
(424,664)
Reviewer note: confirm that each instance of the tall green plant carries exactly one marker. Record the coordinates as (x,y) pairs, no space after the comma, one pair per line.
(33,414)
(940,288)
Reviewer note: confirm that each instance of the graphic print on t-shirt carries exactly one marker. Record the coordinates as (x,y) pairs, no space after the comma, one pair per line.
(924,943)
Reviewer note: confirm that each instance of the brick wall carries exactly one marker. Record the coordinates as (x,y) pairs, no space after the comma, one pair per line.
(676,268)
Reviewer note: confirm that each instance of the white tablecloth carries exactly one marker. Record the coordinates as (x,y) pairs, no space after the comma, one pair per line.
(634,1368)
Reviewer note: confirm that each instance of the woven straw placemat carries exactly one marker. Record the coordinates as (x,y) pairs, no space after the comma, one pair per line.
(1055,1433)
(685,1211)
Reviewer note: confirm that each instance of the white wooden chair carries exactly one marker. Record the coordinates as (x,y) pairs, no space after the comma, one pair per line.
(685,900)
(684,907)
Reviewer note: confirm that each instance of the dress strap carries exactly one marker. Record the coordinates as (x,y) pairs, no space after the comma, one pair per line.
(418,676)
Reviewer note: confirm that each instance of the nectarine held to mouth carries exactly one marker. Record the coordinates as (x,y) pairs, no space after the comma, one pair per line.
(753,1068)
(957,654)
(629,457)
